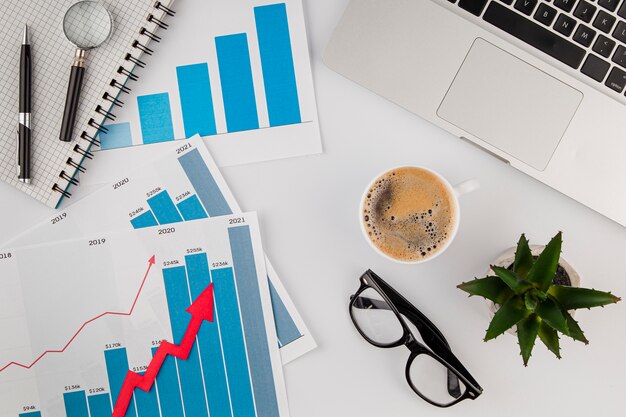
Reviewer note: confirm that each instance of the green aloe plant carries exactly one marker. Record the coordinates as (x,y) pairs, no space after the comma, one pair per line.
(528,299)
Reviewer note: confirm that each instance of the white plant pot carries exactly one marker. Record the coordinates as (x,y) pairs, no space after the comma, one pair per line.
(508,257)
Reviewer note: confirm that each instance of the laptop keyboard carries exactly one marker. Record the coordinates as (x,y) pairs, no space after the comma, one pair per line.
(589,36)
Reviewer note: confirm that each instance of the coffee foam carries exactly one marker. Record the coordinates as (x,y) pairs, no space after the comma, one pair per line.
(409,214)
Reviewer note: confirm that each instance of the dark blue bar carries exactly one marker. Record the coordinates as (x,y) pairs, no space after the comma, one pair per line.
(117,368)
(147,402)
(100,405)
(191,209)
(192,386)
(164,209)
(286,329)
(203,182)
(31,414)
(155,117)
(194,87)
(233,342)
(279,76)
(209,341)
(147,219)
(75,404)
(168,388)
(233,58)
(253,323)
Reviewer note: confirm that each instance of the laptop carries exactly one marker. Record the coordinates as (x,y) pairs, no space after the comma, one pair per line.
(539,84)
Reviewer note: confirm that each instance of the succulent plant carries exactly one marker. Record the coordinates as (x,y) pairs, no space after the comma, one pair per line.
(529,300)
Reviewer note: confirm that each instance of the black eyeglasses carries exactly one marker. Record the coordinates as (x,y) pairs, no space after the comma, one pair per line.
(382,315)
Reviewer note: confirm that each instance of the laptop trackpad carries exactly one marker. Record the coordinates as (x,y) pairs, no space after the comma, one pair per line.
(510,104)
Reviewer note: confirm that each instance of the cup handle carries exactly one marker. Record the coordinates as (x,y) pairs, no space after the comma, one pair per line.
(466,187)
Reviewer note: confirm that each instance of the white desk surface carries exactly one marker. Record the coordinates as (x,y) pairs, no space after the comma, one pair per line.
(308,211)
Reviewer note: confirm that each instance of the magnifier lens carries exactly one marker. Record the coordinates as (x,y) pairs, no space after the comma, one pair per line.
(87,24)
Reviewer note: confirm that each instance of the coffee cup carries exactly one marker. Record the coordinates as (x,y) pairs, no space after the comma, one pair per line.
(411,214)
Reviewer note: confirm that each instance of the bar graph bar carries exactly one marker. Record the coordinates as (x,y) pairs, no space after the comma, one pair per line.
(286,328)
(155,117)
(100,405)
(168,388)
(192,386)
(117,366)
(204,184)
(147,402)
(233,57)
(233,342)
(191,209)
(209,343)
(31,414)
(194,88)
(147,219)
(279,77)
(75,404)
(253,323)
(164,209)
(117,136)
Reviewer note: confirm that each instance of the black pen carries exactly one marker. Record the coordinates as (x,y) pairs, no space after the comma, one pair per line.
(24,132)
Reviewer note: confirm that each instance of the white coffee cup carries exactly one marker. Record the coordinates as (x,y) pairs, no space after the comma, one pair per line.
(454,192)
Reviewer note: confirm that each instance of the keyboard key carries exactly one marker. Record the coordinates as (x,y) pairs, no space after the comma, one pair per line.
(604,21)
(622,10)
(566,5)
(537,36)
(473,6)
(620,31)
(526,6)
(509,2)
(608,4)
(545,14)
(616,80)
(565,24)
(595,67)
(584,35)
(604,46)
(585,11)
(620,56)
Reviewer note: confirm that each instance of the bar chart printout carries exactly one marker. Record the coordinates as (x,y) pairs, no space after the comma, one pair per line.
(257,79)
(232,365)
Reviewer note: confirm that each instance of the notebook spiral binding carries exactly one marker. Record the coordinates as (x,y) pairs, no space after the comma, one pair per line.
(154,22)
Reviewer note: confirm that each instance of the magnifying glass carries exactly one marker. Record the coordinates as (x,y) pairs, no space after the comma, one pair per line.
(86,24)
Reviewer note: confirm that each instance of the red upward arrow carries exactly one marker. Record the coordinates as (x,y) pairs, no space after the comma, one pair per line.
(201,309)
(151,262)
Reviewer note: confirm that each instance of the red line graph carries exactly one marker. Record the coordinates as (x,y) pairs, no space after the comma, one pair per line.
(151,262)
(201,309)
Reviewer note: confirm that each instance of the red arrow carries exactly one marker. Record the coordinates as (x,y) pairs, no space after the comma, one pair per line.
(201,309)
(108,313)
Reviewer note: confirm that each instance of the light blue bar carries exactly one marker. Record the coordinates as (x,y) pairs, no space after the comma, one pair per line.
(118,136)
(194,87)
(31,414)
(192,388)
(209,341)
(204,184)
(233,58)
(117,368)
(75,404)
(155,117)
(233,342)
(279,76)
(168,388)
(164,209)
(147,402)
(253,322)
(286,328)
(100,405)
(147,219)
(191,209)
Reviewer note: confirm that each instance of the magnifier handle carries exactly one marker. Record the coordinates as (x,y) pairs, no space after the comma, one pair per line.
(71,102)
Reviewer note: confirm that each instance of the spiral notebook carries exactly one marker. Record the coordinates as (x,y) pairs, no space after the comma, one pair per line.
(138,24)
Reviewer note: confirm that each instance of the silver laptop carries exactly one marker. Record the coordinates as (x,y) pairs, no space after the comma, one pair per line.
(540,84)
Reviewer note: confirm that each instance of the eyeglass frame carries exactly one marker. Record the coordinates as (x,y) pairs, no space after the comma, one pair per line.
(438,347)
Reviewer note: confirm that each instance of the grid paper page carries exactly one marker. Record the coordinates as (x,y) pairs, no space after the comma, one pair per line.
(52,57)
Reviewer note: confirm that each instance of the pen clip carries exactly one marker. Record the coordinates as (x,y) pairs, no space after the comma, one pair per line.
(19,168)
